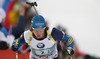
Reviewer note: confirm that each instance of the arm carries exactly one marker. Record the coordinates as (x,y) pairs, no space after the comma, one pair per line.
(56,34)
(18,43)
(69,42)
(19,29)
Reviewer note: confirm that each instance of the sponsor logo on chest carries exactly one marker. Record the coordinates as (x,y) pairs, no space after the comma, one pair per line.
(40,45)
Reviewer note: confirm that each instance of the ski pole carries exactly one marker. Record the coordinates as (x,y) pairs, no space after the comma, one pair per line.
(16,55)
(33,4)
(70,57)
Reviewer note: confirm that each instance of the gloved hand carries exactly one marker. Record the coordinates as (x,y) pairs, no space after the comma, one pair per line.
(15,45)
(69,51)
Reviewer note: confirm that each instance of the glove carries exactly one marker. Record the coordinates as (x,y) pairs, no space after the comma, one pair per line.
(15,45)
(69,51)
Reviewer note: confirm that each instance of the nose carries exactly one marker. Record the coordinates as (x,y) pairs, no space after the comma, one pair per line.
(38,32)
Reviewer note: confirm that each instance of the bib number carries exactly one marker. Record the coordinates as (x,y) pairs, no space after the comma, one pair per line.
(43,57)
(43,52)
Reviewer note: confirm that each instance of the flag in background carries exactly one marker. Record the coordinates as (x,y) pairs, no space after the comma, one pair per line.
(5,4)
(8,10)
(11,8)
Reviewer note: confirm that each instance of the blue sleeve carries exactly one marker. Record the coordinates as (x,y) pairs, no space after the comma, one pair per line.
(4,30)
(56,34)
(19,29)
(20,41)
(68,40)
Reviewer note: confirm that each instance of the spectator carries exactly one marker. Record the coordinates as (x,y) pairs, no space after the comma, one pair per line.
(14,31)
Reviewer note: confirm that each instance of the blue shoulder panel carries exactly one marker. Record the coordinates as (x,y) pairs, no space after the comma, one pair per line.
(56,34)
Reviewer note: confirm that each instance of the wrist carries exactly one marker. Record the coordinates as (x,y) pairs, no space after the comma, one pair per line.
(69,51)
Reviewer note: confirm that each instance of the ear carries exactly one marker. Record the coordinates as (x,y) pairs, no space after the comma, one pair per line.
(46,28)
(31,28)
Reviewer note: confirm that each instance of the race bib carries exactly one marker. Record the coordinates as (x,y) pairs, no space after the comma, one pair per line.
(43,57)
(43,52)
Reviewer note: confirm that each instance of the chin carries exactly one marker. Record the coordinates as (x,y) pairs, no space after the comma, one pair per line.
(38,37)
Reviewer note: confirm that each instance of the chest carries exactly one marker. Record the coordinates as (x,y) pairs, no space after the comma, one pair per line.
(42,44)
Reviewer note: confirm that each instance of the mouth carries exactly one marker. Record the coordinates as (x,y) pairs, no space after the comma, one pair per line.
(38,35)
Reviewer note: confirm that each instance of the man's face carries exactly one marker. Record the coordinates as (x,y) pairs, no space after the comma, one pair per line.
(39,32)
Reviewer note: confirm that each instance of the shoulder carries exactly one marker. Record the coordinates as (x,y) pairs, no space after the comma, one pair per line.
(50,29)
(27,32)
(56,34)
(27,35)
(53,29)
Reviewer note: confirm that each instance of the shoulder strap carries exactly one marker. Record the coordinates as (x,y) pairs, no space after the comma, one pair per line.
(48,33)
(31,36)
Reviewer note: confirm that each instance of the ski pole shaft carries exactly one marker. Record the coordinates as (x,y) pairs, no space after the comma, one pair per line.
(33,4)
(70,57)
(35,10)
(16,55)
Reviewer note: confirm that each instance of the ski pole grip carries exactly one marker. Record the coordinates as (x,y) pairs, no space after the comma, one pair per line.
(32,4)
(35,3)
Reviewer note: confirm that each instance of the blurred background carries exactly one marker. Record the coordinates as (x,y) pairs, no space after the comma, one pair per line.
(80,19)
